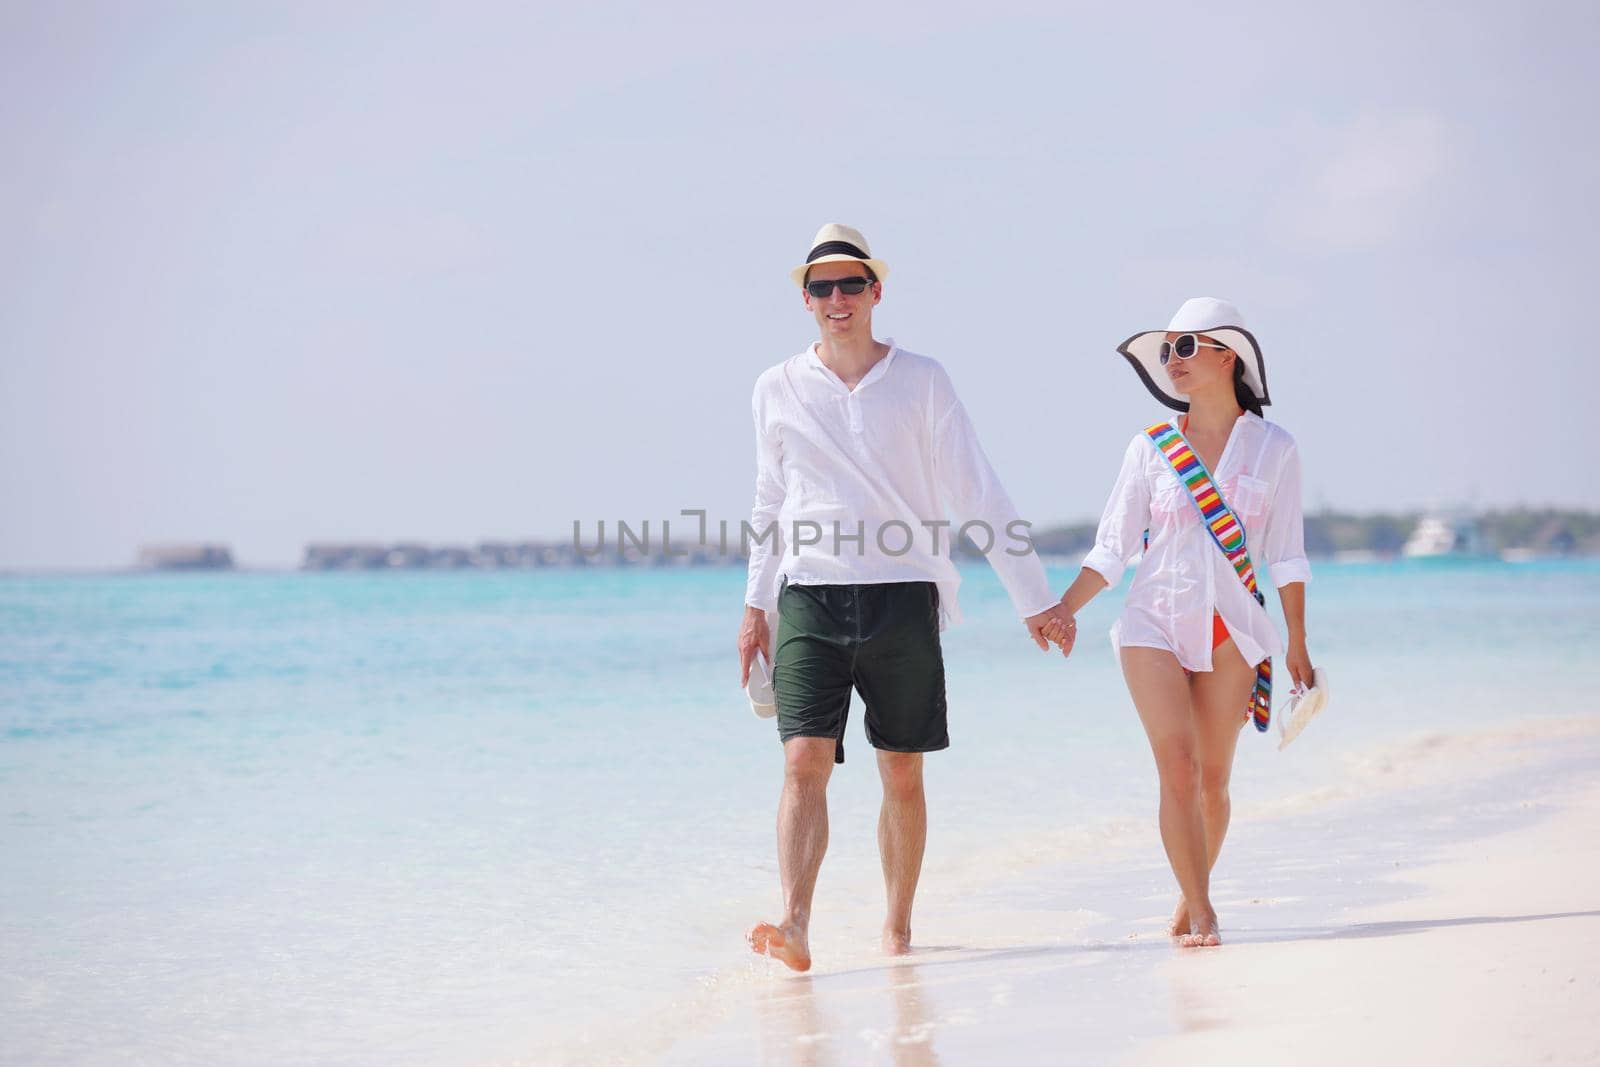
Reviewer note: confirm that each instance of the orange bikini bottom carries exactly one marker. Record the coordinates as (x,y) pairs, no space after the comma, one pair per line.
(1219,634)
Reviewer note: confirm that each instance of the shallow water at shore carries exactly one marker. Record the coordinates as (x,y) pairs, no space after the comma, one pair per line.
(1069,959)
(415,817)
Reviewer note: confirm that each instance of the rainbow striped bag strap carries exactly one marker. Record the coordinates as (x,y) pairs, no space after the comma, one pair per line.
(1227,531)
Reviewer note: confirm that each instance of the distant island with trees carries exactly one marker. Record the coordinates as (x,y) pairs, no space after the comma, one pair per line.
(1517,531)
(1514,533)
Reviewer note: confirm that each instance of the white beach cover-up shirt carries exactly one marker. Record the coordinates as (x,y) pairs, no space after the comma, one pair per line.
(1184,576)
(893,450)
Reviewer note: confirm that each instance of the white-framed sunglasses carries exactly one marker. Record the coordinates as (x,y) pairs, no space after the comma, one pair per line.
(1186,347)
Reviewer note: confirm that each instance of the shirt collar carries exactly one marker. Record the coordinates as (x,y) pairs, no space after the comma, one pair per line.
(879,369)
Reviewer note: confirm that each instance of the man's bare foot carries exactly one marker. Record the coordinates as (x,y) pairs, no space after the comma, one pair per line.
(1180,919)
(1202,931)
(897,943)
(784,943)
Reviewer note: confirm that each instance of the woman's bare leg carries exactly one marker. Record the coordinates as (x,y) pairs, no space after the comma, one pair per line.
(1161,693)
(1219,697)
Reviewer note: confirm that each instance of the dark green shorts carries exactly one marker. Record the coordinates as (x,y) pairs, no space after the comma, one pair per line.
(880,639)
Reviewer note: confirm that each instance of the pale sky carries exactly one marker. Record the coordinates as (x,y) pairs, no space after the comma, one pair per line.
(274,273)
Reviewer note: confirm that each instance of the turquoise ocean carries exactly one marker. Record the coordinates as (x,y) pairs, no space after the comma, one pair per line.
(470,817)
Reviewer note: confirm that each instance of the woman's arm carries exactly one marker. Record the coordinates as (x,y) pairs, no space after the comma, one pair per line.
(1119,538)
(1292,595)
(1120,535)
(1284,553)
(1083,589)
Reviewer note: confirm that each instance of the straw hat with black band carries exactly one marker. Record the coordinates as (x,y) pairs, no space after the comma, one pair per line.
(1217,319)
(838,243)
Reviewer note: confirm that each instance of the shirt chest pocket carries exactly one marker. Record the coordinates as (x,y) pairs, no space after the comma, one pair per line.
(1249,495)
(1169,500)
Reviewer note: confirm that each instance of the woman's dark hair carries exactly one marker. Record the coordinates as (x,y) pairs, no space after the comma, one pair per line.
(1242,392)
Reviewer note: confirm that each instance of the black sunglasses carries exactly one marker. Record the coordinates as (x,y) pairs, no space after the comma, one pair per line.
(848,286)
(1185,347)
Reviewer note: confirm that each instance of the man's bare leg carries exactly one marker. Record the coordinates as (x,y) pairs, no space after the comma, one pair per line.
(802,841)
(902,836)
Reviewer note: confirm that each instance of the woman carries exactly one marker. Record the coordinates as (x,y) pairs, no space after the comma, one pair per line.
(1193,632)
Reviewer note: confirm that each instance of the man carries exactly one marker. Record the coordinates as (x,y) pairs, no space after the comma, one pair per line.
(857,441)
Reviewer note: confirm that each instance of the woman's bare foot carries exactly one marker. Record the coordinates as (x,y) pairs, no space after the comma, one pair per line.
(897,942)
(1202,930)
(784,943)
(1180,919)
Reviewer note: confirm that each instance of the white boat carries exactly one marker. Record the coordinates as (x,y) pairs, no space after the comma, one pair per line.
(1444,535)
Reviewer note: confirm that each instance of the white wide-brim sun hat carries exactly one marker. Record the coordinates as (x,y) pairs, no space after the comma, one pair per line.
(1215,318)
(838,243)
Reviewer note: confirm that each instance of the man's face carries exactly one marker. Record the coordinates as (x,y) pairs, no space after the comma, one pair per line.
(839,314)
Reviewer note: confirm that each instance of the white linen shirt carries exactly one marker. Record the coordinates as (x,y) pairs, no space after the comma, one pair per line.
(893,449)
(1184,577)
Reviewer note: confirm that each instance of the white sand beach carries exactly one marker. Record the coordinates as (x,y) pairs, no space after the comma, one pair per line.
(1496,960)
(1441,905)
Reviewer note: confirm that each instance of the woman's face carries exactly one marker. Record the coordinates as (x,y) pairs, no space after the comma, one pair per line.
(1211,365)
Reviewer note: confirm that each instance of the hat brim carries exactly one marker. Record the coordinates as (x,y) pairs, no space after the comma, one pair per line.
(879,267)
(1143,353)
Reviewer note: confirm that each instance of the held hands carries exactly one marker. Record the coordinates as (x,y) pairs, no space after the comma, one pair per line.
(1059,623)
(753,634)
(1054,626)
